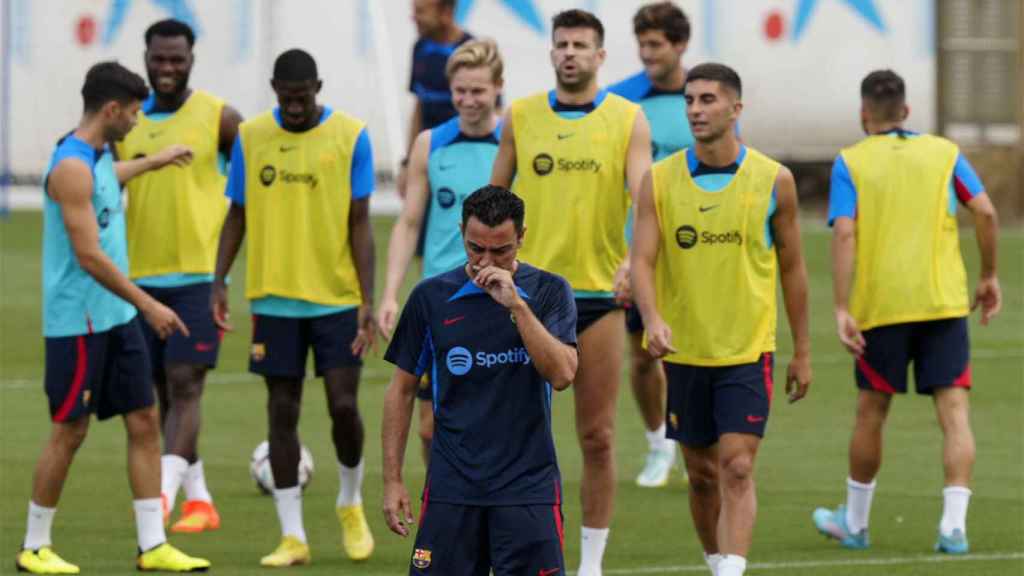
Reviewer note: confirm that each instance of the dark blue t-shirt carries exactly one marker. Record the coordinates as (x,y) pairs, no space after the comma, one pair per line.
(492,409)
(430,83)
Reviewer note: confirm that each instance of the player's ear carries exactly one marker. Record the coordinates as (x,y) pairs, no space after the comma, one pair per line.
(905,112)
(519,239)
(319,85)
(601,54)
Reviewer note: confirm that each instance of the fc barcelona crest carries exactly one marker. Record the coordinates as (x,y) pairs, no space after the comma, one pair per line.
(421,558)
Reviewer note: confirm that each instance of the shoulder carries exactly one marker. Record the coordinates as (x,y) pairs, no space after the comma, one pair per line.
(261,121)
(529,102)
(544,282)
(444,133)
(344,119)
(207,99)
(633,88)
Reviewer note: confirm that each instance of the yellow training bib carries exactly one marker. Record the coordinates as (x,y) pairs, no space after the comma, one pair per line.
(909,266)
(715,271)
(175,214)
(298,195)
(571,177)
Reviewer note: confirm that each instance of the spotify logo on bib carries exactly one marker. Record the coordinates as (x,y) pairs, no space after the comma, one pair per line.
(686,237)
(459,361)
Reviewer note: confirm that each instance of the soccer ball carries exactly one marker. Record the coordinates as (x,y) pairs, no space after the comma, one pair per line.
(259,468)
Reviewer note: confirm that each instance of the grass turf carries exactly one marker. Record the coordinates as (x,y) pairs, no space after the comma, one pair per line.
(801,465)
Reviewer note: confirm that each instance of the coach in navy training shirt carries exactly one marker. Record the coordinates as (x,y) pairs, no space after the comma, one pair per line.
(495,335)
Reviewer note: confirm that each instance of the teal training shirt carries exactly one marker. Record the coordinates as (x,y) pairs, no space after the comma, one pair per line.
(457,166)
(74,303)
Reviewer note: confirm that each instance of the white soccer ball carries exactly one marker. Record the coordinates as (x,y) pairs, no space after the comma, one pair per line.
(259,468)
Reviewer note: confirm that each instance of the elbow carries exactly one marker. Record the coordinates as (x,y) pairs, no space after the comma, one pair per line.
(89,260)
(566,373)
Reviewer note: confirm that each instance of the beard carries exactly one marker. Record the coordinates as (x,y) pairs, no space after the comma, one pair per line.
(180,85)
(577,84)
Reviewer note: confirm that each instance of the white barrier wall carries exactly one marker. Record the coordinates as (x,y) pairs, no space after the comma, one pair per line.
(801,60)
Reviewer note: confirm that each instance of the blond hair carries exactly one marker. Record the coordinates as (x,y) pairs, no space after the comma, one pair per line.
(476,54)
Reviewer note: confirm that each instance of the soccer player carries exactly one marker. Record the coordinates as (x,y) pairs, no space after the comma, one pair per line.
(715,223)
(174,219)
(570,151)
(96,358)
(662,33)
(439,37)
(447,164)
(897,188)
(300,182)
(497,335)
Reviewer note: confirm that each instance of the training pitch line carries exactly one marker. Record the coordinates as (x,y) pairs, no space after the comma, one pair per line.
(810,564)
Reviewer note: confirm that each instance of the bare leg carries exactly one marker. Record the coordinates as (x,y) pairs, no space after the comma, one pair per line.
(143,429)
(342,386)
(736,453)
(55,460)
(866,442)
(705,497)
(284,404)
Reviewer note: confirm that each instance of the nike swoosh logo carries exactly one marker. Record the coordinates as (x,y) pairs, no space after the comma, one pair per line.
(564,136)
(549,572)
(450,321)
(203,347)
(155,134)
(288,148)
(446,166)
(755,419)
(706,208)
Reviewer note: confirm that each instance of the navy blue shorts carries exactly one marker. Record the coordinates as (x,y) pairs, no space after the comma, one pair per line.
(705,402)
(939,349)
(280,345)
(192,304)
(634,321)
(461,540)
(590,310)
(107,373)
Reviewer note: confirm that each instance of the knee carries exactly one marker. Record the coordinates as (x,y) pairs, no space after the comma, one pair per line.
(344,409)
(737,469)
(703,477)
(597,443)
(284,414)
(184,383)
(70,436)
(143,425)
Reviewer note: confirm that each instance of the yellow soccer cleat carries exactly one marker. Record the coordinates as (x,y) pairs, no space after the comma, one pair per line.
(355,532)
(43,561)
(167,558)
(197,516)
(290,552)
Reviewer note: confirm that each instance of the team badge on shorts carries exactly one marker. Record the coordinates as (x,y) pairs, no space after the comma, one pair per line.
(421,558)
(673,420)
(259,352)
(86,396)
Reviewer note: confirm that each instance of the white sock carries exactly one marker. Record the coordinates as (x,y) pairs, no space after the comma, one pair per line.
(858,504)
(40,521)
(172,473)
(149,523)
(656,438)
(954,509)
(712,560)
(592,543)
(732,565)
(351,485)
(195,483)
(289,511)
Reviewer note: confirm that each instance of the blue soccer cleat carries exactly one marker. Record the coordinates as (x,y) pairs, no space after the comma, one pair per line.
(955,543)
(832,523)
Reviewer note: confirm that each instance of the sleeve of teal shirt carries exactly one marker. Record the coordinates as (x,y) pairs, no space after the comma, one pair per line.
(966,183)
(235,189)
(362,167)
(842,198)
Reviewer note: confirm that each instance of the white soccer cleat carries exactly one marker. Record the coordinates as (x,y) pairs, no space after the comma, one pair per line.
(657,467)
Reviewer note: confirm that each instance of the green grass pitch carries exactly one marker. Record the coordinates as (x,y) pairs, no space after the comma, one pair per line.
(801,465)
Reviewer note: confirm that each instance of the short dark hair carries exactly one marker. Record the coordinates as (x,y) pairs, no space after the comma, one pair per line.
(716,72)
(447,4)
(665,17)
(885,91)
(108,81)
(578,19)
(492,206)
(170,28)
(295,65)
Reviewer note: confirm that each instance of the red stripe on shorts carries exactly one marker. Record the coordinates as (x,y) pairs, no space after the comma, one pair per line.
(877,381)
(964,380)
(769,383)
(426,500)
(557,509)
(81,366)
